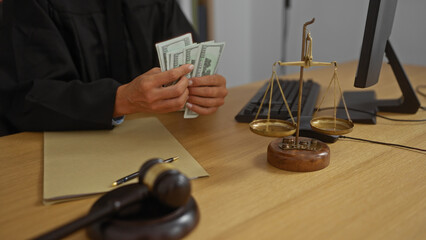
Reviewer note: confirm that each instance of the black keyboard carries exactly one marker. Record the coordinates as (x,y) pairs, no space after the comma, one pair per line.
(278,108)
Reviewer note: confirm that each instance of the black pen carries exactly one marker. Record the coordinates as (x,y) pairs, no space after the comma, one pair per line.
(136,174)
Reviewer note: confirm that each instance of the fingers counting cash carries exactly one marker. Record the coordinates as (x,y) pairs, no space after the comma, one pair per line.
(204,57)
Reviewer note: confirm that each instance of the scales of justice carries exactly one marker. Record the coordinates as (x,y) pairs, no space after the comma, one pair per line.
(294,153)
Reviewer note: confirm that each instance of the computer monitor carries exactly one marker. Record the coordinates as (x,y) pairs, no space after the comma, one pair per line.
(378,27)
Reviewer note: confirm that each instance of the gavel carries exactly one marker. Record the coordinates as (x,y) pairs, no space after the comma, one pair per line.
(162,180)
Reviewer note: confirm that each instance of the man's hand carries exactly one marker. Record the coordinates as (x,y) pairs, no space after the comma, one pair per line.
(147,94)
(206,93)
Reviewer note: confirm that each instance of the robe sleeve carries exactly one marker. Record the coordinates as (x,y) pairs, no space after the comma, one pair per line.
(40,86)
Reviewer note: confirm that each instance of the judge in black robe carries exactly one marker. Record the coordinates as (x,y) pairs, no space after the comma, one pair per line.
(62,62)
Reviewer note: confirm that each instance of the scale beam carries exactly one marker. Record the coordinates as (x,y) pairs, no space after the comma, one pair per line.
(306,64)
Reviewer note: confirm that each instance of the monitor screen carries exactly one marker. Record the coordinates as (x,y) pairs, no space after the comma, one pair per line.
(378,28)
(375,46)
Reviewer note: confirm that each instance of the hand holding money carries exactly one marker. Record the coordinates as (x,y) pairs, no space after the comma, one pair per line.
(147,94)
(207,93)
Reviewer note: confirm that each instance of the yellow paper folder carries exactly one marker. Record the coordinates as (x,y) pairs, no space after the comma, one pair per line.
(81,163)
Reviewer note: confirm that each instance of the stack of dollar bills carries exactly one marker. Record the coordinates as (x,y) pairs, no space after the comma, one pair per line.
(182,50)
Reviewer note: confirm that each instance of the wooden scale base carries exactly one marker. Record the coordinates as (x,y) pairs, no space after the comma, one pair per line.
(307,156)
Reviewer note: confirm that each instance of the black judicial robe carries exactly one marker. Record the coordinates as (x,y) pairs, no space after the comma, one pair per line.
(61,61)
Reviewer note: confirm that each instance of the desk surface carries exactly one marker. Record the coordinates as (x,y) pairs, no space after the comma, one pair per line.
(367,191)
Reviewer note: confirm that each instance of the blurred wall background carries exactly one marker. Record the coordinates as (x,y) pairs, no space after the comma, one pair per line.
(257,33)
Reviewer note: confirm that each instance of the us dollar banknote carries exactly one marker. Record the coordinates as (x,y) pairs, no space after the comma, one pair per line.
(174,44)
(175,59)
(206,64)
(190,55)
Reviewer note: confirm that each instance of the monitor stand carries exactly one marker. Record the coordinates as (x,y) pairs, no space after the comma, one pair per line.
(367,103)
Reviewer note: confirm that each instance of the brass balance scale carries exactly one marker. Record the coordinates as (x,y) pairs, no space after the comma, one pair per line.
(294,153)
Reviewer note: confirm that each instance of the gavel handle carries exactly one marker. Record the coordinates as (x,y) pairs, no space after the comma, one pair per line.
(108,210)
(75,225)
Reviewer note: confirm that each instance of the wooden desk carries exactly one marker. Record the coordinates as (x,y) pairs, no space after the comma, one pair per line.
(368,191)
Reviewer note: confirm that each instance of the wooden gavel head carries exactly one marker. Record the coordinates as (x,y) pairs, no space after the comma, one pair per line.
(165,182)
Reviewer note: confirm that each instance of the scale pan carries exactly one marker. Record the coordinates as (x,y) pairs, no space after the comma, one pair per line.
(272,127)
(326,125)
